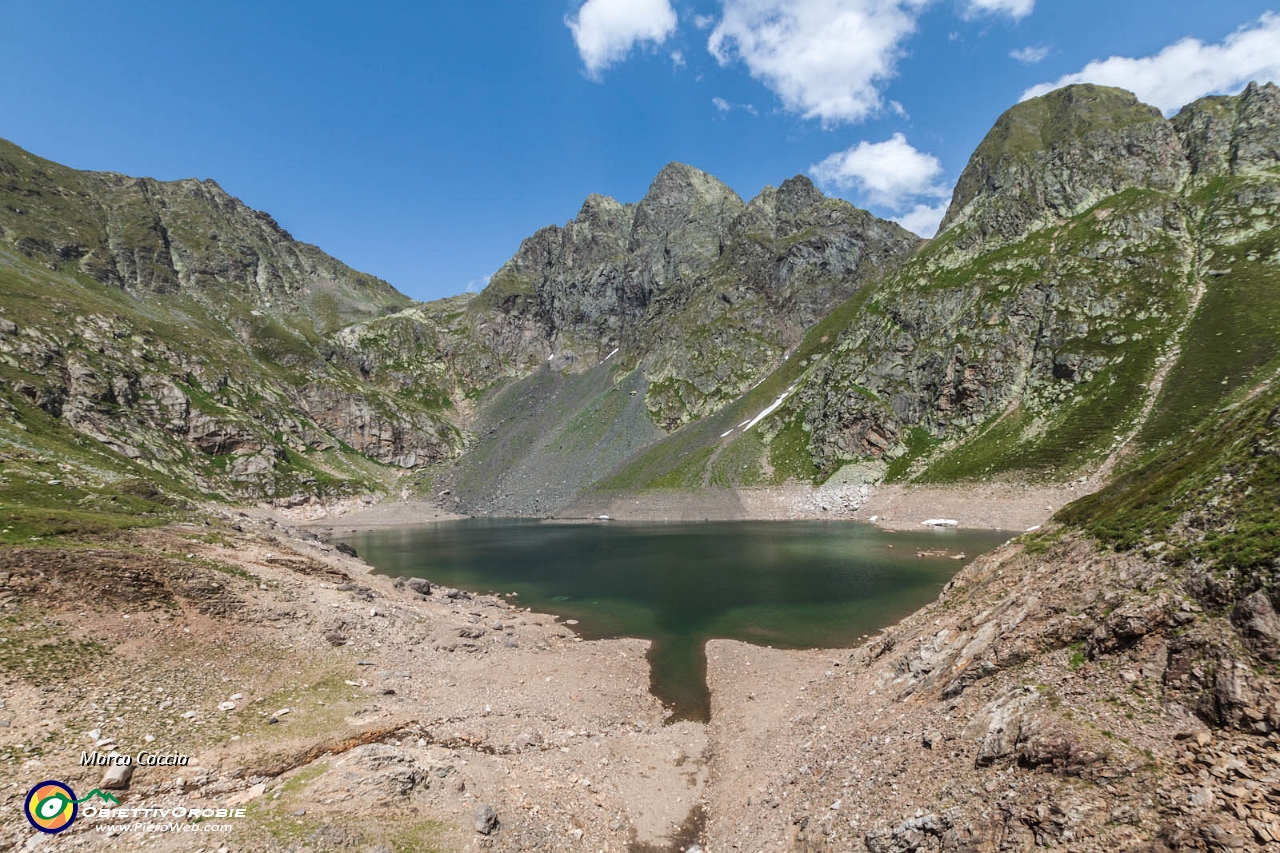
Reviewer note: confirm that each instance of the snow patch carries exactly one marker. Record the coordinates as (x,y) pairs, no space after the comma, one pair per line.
(772,408)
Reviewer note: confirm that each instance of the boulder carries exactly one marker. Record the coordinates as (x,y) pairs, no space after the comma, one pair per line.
(485,819)
(117,777)
(1259,625)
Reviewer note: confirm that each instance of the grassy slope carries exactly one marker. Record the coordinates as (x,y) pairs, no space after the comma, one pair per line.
(251,315)
(1211,496)
(1236,331)
(1073,426)
(58,483)
(680,460)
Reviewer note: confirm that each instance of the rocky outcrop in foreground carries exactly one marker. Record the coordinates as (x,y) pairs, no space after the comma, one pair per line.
(1107,683)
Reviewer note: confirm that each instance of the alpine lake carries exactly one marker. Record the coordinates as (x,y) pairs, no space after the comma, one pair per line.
(806,584)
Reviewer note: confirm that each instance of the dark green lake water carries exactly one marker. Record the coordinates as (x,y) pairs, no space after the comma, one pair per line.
(782,584)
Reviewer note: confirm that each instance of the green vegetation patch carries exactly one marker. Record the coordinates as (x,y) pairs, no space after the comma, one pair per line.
(919,445)
(1210,497)
(789,454)
(57,483)
(1235,332)
(40,653)
(659,464)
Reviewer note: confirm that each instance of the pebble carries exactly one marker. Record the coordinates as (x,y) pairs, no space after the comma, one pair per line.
(227,706)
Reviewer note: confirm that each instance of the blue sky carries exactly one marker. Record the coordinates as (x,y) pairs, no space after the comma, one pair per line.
(422,142)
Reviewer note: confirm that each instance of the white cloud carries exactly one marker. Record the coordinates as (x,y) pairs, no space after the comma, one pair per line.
(1188,69)
(703,22)
(677,60)
(826,59)
(605,31)
(892,173)
(923,219)
(1016,9)
(478,284)
(724,106)
(1030,55)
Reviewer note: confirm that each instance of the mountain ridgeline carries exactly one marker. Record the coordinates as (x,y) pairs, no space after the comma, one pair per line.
(1105,279)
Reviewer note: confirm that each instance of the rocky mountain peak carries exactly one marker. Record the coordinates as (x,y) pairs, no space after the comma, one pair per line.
(684,216)
(599,208)
(191,237)
(799,192)
(1056,155)
(1232,135)
(682,184)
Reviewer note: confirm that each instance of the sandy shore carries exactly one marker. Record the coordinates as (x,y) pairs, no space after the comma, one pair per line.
(398,513)
(983,506)
(993,506)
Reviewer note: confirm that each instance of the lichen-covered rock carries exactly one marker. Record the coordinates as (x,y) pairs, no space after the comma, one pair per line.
(1259,625)
(1232,135)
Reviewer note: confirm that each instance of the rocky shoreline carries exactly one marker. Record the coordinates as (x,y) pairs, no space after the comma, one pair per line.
(989,506)
(1046,698)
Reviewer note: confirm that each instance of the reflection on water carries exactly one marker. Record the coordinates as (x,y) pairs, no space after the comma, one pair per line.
(784,584)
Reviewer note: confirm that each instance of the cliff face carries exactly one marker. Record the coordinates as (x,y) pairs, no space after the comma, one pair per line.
(1054,157)
(702,292)
(189,333)
(789,258)
(584,286)
(1092,251)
